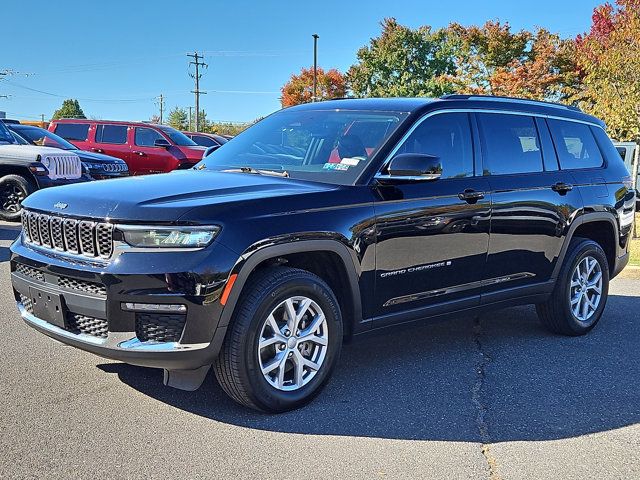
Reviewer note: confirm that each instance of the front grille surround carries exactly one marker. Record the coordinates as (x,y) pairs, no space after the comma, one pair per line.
(78,237)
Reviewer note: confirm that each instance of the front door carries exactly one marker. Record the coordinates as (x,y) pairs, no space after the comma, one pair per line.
(432,236)
(145,156)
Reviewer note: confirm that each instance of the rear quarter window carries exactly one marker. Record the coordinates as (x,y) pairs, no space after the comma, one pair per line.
(73,131)
(575,145)
(111,134)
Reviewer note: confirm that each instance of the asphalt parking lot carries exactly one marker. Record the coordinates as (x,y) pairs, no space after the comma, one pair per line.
(494,397)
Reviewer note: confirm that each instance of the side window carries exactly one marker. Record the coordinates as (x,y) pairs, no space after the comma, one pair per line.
(623,152)
(146,137)
(575,145)
(73,131)
(447,136)
(111,134)
(510,144)
(203,141)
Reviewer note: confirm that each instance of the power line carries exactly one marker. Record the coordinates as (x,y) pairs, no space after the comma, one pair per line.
(196,76)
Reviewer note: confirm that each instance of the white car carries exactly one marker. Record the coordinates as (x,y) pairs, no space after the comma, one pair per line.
(627,151)
(26,168)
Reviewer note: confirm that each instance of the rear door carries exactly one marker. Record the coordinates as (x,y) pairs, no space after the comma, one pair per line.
(533,201)
(111,139)
(432,242)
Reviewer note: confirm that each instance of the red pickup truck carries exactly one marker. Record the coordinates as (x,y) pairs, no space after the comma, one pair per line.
(147,148)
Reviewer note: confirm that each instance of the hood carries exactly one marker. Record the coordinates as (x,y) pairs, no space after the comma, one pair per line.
(193,153)
(93,157)
(30,152)
(166,197)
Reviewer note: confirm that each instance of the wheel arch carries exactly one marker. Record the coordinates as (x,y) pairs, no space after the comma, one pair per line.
(590,226)
(302,254)
(21,170)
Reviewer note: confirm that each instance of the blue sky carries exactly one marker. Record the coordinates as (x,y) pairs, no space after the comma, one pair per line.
(115,56)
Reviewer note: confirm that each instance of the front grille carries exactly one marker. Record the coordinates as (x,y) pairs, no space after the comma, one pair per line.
(159,328)
(64,166)
(82,286)
(68,235)
(87,325)
(28,271)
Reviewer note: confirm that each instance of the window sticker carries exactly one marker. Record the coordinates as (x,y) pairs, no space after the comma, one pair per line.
(336,166)
(352,161)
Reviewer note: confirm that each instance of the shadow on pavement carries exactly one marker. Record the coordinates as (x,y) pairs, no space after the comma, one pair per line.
(419,383)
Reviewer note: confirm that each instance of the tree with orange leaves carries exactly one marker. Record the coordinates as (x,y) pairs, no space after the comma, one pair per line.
(299,88)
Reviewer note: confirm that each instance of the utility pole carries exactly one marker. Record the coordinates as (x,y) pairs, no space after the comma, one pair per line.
(196,76)
(42,117)
(161,105)
(190,119)
(315,66)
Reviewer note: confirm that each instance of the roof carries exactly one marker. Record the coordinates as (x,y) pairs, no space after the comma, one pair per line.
(476,102)
(119,122)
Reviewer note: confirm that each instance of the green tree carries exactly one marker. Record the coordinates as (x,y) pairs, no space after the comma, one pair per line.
(178,118)
(70,109)
(403,62)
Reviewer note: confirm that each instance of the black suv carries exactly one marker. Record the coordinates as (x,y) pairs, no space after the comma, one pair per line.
(324,222)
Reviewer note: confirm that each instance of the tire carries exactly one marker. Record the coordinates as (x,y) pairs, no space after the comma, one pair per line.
(241,362)
(558,314)
(13,190)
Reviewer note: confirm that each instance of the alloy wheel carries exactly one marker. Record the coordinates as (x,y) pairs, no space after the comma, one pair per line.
(293,343)
(585,292)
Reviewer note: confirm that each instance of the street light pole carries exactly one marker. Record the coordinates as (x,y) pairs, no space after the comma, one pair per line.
(315,66)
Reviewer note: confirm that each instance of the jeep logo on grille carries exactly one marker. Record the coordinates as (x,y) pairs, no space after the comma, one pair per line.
(61,205)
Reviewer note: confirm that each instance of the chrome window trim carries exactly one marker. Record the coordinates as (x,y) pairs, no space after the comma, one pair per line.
(419,122)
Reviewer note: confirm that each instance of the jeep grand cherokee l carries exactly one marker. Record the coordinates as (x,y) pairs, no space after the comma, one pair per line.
(269,253)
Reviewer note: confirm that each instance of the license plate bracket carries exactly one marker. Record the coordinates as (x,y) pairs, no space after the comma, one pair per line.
(48,306)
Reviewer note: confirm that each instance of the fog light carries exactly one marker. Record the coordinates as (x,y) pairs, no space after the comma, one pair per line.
(153,307)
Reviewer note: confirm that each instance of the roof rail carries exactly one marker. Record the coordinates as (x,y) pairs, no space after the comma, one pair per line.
(499,98)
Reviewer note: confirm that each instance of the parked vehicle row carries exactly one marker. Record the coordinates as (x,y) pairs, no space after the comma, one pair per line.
(147,148)
(324,222)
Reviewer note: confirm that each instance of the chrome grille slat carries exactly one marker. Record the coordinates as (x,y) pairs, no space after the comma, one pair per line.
(79,237)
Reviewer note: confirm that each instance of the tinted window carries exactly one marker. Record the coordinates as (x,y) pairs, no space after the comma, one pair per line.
(111,134)
(203,141)
(42,137)
(575,145)
(73,131)
(447,136)
(622,151)
(5,134)
(177,137)
(510,144)
(146,137)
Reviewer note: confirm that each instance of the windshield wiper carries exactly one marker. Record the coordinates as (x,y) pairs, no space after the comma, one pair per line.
(255,171)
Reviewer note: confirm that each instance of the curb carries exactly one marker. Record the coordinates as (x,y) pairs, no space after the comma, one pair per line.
(630,271)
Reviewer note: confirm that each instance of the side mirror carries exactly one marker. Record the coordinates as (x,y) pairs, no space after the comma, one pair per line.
(210,150)
(161,142)
(412,167)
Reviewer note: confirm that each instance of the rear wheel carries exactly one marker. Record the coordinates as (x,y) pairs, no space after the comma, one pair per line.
(283,343)
(580,295)
(13,190)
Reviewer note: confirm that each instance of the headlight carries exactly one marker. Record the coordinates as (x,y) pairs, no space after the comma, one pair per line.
(46,162)
(169,237)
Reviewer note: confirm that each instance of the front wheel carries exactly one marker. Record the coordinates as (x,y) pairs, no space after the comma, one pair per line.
(13,190)
(283,342)
(580,294)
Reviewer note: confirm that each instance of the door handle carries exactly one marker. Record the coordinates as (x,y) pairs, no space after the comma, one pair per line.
(561,187)
(139,153)
(470,195)
(98,150)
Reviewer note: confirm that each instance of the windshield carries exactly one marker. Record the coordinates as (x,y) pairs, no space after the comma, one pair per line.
(177,137)
(5,134)
(331,146)
(44,138)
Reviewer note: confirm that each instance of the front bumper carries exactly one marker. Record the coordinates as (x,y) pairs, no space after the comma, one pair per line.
(92,297)
(46,182)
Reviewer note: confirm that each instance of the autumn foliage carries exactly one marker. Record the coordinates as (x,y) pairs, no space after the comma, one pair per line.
(299,88)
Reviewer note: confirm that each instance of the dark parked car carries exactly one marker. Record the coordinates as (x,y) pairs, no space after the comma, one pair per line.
(98,165)
(146,147)
(207,139)
(301,233)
